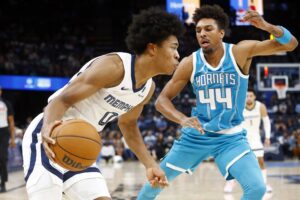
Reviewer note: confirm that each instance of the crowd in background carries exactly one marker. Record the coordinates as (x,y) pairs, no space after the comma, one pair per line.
(59,47)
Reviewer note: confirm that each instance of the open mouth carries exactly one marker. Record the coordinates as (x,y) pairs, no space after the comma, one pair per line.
(205,44)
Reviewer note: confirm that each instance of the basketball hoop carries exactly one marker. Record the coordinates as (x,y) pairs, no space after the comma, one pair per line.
(280,83)
(281,91)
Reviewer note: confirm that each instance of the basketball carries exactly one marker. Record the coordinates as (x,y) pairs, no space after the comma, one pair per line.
(77,144)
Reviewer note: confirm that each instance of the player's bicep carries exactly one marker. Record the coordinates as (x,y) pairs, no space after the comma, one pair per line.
(102,73)
(179,80)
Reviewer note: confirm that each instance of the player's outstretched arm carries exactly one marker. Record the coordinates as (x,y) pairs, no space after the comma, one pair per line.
(164,101)
(129,128)
(246,49)
(106,71)
(284,40)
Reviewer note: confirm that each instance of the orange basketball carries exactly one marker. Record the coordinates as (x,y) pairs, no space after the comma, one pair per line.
(77,146)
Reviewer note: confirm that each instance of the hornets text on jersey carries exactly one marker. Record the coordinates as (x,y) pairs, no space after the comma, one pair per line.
(220,91)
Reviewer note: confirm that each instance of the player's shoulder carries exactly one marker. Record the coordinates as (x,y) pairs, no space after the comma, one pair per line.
(116,59)
(184,68)
(261,105)
(108,68)
(188,60)
(111,62)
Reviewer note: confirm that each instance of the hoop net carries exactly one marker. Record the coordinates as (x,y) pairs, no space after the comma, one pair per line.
(281,91)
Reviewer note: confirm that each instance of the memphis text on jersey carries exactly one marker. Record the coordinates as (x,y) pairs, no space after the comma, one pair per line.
(116,103)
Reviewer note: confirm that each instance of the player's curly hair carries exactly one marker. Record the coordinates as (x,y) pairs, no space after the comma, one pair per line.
(215,12)
(152,26)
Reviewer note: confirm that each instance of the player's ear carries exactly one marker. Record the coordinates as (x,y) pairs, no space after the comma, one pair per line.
(151,49)
(222,33)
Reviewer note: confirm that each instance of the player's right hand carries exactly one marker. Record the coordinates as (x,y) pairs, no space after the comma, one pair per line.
(46,138)
(192,122)
(156,177)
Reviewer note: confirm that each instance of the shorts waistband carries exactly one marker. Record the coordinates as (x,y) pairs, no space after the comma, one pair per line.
(232,130)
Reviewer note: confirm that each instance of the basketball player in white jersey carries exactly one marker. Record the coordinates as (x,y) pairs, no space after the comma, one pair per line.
(116,85)
(254,113)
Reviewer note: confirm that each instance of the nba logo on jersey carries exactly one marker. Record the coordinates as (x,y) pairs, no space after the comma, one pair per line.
(220,91)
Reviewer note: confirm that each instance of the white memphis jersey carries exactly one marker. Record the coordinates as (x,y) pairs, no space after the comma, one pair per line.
(108,104)
(252,125)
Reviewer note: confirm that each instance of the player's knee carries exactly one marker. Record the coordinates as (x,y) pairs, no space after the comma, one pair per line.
(257,191)
(260,191)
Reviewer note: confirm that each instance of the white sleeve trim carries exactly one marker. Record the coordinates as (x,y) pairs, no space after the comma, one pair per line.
(235,65)
(194,66)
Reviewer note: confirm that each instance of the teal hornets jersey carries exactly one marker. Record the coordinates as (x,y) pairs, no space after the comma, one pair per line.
(220,91)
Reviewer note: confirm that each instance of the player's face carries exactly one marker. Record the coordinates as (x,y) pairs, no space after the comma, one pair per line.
(167,55)
(250,98)
(208,34)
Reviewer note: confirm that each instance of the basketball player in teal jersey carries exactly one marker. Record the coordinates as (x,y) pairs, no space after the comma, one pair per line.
(219,75)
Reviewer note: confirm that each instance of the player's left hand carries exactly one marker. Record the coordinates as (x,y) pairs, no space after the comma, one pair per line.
(192,122)
(255,19)
(157,177)
(267,142)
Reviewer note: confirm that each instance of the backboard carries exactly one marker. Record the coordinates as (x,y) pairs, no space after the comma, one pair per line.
(270,75)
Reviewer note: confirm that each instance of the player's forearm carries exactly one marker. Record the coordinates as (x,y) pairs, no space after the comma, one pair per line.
(276,31)
(54,111)
(135,142)
(282,36)
(167,108)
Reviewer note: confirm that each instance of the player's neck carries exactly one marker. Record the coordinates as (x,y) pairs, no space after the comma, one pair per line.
(214,57)
(250,106)
(143,70)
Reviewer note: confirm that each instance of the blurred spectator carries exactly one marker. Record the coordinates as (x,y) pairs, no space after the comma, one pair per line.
(149,139)
(296,147)
(7,137)
(128,154)
(158,150)
(107,152)
(161,124)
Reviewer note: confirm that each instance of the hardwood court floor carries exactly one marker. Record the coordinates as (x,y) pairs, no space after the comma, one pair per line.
(125,180)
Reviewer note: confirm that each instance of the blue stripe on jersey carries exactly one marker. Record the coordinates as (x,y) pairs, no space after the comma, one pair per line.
(48,166)
(133,76)
(33,148)
(220,92)
(70,174)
